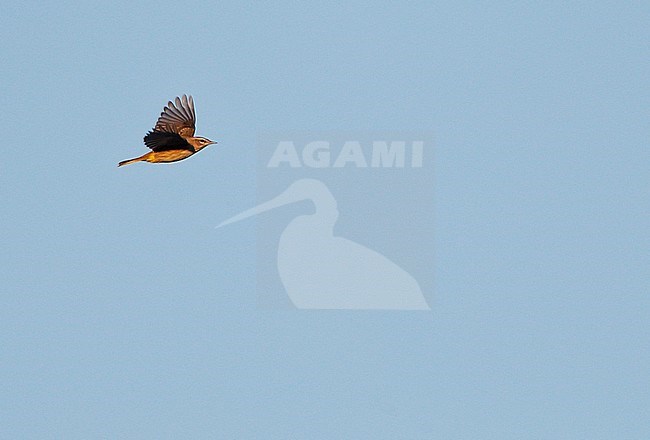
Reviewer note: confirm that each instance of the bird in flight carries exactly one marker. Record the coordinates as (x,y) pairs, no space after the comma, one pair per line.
(172,139)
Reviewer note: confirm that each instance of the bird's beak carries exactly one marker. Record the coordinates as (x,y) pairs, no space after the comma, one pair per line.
(212,142)
(281,200)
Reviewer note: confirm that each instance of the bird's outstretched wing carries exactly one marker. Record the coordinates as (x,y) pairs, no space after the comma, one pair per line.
(176,122)
(179,118)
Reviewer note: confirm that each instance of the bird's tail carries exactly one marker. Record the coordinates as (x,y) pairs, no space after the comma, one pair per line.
(137,159)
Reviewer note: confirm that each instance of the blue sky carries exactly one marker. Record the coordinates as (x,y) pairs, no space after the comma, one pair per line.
(125,314)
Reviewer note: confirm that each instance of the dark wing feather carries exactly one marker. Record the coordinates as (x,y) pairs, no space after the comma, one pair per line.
(179,117)
(163,141)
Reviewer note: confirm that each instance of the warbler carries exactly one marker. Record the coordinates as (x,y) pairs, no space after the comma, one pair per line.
(172,139)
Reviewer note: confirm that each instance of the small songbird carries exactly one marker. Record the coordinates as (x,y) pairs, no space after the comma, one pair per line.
(172,139)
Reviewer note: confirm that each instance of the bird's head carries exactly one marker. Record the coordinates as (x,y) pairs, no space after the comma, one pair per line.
(201,142)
